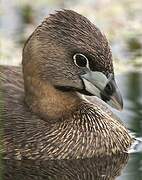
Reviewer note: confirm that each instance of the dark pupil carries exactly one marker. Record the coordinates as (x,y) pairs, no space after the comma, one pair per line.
(81,61)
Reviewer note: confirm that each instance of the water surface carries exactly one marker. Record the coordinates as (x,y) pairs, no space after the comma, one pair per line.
(131,88)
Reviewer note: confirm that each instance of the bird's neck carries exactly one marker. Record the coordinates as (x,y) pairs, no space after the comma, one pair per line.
(48,102)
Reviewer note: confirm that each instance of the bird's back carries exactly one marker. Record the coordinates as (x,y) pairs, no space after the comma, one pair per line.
(18,122)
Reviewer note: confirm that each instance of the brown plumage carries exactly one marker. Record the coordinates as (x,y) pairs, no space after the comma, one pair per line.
(96,168)
(45,116)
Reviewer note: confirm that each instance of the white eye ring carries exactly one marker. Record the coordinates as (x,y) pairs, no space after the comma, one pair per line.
(80,60)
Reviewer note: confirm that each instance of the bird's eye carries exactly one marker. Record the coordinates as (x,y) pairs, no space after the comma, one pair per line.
(80,60)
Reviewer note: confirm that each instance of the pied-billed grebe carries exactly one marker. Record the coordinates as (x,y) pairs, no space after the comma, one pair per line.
(45,116)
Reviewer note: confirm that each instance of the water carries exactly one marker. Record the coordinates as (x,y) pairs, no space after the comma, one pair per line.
(105,168)
(131,88)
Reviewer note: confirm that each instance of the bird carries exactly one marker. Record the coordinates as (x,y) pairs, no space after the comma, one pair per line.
(44,110)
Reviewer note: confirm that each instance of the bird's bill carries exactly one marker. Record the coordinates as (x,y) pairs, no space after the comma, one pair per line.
(105,88)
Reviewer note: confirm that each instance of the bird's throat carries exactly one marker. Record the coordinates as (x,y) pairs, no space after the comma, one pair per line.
(48,102)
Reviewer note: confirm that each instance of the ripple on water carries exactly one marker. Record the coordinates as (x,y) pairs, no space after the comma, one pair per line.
(136,146)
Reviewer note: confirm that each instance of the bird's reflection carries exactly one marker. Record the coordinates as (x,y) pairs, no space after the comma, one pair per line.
(97,168)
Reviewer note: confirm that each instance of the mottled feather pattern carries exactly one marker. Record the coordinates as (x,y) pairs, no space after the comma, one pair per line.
(68,26)
(76,169)
(43,122)
(86,132)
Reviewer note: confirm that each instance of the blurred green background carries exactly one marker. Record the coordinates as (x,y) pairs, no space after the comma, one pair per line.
(120,20)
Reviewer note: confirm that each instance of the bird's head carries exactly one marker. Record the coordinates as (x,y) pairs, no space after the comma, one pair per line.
(72,54)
